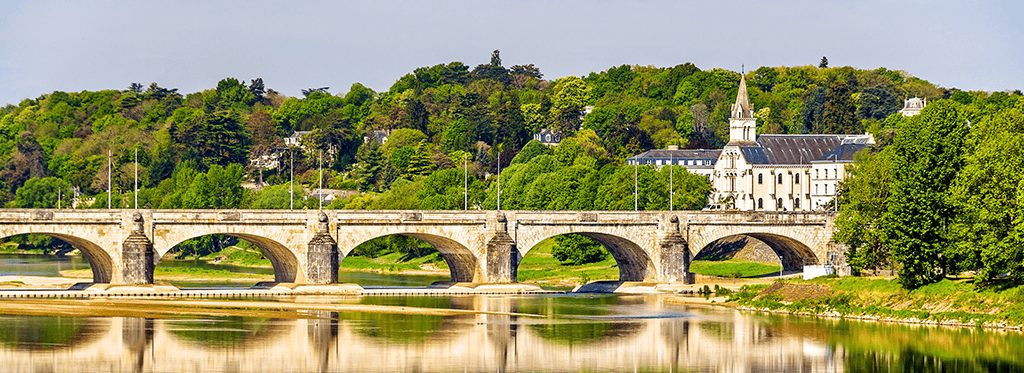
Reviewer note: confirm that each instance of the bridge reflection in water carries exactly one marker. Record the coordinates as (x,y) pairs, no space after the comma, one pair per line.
(611,333)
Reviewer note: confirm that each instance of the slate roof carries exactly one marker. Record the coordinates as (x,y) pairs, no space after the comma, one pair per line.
(680,154)
(844,152)
(791,149)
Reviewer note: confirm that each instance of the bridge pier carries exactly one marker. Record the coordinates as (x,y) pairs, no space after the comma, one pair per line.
(502,259)
(136,256)
(322,257)
(673,254)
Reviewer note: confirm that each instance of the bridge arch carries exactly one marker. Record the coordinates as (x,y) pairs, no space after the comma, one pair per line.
(462,263)
(284,261)
(796,246)
(634,262)
(100,261)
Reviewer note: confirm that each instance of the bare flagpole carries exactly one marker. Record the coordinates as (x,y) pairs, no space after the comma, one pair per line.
(320,194)
(136,178)
(109,178)
(499,179)
(636,188)
(291,182)
(465,183)
(671,191)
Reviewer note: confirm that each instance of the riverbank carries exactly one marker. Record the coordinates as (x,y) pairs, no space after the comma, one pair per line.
(948,302)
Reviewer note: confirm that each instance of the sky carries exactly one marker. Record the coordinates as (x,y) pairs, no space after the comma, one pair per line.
(48,46)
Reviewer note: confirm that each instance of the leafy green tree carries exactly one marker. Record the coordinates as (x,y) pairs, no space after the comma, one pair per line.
(927,156)
(43,193)
(575,249)
(690,191)
(988,232)
(838,110)
(444,190)
(272,197)
(531,150)
(863,203)
(333,138)
(403,137)
(765,77)
(570,95)
(878,102)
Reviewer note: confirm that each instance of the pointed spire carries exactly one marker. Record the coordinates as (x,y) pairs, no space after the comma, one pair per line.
(741,109)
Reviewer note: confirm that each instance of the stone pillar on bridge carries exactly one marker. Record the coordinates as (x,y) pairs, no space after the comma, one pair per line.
(137,255)
(322,255)
(674,253)
(500,252)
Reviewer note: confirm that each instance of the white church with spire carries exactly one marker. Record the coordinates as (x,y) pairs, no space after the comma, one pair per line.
(770,172)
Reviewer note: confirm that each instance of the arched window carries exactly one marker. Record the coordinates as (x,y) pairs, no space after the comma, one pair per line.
(547,138)
(796,179)
(760,203)
(760,179)
(780,178)
(796,204)
(778,205)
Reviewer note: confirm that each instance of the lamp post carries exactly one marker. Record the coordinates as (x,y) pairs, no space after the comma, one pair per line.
(671,191)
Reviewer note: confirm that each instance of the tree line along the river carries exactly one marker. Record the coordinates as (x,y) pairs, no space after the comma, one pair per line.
(196,150)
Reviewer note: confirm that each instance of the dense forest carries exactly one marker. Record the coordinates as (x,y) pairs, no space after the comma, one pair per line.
(451,123)
(195,150)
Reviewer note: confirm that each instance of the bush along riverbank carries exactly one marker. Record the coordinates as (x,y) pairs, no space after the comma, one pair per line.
(948,302)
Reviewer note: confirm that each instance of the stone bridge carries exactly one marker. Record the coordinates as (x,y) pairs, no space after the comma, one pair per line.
(306,246)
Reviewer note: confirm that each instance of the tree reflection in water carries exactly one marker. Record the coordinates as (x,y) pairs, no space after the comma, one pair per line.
(48,332)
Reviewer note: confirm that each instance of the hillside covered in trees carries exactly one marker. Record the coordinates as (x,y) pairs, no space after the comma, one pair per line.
(195,150)
(451,124)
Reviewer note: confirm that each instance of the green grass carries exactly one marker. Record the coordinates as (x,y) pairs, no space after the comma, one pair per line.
(239,256)
(202,273)
(948,299)
(392,262)
(539,266)
(732,268)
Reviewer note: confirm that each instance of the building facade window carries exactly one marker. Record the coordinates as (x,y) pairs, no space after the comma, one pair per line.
(796,179)
(778,204)
(760,179)
(796,204)
(760,204)
(780,178)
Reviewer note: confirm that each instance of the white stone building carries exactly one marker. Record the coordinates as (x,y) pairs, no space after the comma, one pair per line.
(779,172)
(913,106)
(770,172)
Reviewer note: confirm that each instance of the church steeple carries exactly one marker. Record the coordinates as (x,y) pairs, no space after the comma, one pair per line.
(742,124)
(742,109)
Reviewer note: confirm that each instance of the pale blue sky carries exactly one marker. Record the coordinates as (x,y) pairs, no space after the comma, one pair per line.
(190,45)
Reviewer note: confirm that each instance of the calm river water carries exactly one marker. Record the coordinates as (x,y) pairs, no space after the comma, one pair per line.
(590,333)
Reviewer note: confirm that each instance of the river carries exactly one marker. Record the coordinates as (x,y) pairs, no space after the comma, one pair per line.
(530,333)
